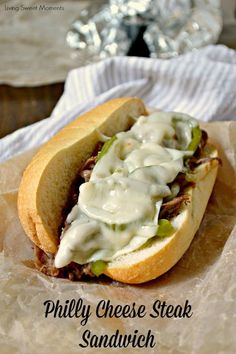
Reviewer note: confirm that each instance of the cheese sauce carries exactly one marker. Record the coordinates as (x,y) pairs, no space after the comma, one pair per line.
(117,210)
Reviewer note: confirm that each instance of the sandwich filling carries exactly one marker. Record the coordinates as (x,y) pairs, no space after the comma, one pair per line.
(132,189)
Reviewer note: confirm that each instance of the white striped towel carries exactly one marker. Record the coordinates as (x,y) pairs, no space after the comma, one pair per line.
(201,83)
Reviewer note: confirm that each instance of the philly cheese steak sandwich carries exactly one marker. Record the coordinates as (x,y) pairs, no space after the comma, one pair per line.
(118,191)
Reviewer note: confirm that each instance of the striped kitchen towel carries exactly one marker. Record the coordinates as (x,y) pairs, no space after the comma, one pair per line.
(201,83)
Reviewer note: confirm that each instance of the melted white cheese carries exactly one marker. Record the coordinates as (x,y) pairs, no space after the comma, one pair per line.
(117,210)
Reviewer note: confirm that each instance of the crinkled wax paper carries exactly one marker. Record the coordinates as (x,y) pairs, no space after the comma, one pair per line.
(206,276)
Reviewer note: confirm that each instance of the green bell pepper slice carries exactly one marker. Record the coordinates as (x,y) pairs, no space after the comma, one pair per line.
(98,267)
(196,138)
(165,228)
(106,147)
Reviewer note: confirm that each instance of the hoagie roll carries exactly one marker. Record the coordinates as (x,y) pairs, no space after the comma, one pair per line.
(119,191)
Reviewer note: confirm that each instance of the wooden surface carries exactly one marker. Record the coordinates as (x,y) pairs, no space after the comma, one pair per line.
(21,106)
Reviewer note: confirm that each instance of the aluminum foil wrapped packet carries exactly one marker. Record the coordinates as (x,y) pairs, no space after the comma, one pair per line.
(164,29)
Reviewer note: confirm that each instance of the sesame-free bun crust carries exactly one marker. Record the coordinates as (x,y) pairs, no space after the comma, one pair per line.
(47,180)
(46,185)
(162,254)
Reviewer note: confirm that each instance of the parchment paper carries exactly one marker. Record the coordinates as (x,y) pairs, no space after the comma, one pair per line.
(206,276)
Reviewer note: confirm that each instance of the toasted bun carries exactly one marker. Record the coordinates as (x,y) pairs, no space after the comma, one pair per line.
(46,184)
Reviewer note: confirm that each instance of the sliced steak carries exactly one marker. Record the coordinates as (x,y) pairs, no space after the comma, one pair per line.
(44,262)
(172,208)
